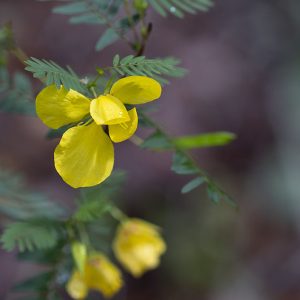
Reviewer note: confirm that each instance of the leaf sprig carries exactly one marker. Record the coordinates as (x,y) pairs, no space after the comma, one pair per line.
(15,93)
(19,203)
(30,235)
(51,73)
(182,163)
(178,8)
(155,68)
(100,12)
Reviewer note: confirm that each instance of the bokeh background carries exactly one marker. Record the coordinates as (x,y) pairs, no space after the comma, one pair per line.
(244,77)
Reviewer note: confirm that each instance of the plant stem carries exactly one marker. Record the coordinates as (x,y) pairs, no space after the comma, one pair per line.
(117,214)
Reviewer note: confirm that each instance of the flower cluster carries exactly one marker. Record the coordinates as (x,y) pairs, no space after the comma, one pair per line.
(85,154)
(138,247)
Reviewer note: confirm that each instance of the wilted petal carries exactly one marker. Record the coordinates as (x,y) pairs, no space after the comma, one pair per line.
(121,132)
(136,89)
(58,107)
(84,156)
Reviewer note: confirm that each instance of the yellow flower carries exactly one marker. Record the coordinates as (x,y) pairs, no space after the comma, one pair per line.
(99,274)
(85,154)
(138,246)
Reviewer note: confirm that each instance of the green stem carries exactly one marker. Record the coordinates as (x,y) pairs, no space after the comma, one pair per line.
(185,154)
(117,214)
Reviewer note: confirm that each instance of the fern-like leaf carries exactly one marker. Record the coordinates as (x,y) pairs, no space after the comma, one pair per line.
(15,93)
(18,203)
(99,12)
(31,235)
(89,11)
(156,68)
(91,210)
(52,73)
(94,201)
(178,8)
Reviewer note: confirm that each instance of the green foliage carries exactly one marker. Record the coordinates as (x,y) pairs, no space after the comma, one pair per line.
(89,11)
(155,68)
(39,287)
(204,140)
(31,234)
(6,42)
(36,283)
(57,133)
(94,202)
(49,256)
(91,210)
(51,73)
(112,34)
(157,141)
(18,203)
(15,93)
(99,12)
(182,165)
(192,185)
(179,7)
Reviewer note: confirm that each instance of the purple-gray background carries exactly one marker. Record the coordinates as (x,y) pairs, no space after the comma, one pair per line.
(244,77)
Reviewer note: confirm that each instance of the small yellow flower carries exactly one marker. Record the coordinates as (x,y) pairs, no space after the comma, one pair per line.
(85,154)
(138,245)
(99,274)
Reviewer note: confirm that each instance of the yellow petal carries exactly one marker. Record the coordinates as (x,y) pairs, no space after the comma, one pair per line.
(58,107)
(76,286)
(107,110)
(136,89)
(103,275)
(138,246)
(121,132)
(84,156)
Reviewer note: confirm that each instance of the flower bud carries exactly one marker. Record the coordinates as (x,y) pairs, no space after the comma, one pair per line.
(138,246)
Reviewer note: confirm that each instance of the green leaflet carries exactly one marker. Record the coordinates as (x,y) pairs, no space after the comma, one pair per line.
(16,97)
(156,68)
(204,140)
(94,201)
(192,185)
(115,32)
(178,8)
(102,10)
(51,73)
(108,37)
(182,165)
(99,12)
(31,234)
(19,203)
(43,256)
(91,210)
(157,141)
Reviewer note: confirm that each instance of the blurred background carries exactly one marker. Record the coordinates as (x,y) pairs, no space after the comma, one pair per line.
(243,59)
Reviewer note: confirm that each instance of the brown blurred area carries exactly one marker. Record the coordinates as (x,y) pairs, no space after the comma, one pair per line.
(244,77)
